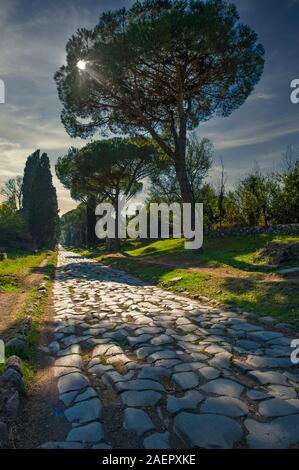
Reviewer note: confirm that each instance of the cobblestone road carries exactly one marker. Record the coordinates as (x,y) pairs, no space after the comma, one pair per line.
(139,367)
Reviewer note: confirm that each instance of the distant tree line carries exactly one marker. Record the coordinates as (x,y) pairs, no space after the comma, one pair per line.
(103,170)
(258,199)
(29,213)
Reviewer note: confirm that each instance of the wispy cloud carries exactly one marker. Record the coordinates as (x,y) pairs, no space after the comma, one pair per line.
(33,38)
(253,134)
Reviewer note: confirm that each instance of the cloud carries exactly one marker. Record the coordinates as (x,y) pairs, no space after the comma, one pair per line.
(33,38)
(252,134)
(6,144)
(262,96)
(32,49)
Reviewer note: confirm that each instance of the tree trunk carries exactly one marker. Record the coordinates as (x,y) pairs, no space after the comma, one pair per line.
(185,187)
(113,244)
(91,222)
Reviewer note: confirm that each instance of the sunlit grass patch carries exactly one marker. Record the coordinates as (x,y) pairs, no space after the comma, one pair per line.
(18,265)
(238,280)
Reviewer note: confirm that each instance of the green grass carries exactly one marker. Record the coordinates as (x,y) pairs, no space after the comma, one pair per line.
(86,251)
(39,300)
(240,279)
(237,251)
(17,267)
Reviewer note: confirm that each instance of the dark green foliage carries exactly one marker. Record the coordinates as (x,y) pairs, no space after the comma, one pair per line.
(40,206)
(91,239)
(254,197)
(12,226)
(12,191)
(286,201)
(259,199)
(73,227)
(29,178)
(164,183)
(104,171)
(161,68)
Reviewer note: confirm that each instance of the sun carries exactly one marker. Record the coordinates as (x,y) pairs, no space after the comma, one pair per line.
(81,64)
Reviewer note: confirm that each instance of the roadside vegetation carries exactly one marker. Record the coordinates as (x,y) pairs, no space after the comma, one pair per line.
(29,314)
(232,270)
(16,267)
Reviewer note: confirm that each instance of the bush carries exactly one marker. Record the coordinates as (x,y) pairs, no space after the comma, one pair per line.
(12,226)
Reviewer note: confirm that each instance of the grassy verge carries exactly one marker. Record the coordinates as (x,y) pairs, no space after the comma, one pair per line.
(229,270)
(33,309)
(18,265)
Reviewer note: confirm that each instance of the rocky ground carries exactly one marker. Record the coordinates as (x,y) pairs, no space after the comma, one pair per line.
(139,367)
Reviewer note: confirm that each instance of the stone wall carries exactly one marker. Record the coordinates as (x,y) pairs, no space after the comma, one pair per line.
(291,229)
(11,387)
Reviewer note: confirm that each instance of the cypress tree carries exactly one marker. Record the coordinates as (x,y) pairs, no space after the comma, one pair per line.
(31,166)
(40,201)
(91,221)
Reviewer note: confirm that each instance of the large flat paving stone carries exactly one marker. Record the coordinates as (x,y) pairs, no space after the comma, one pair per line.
(74,349)
(160,355)
(92,432)
(262,362)
(257,395)
(137,421)
(247,327)
(207,431)
(227,406)
(70,382)
(145,351)
(113,351)
(86,395)
(68,398)
(268,377)
(280,391)
(209,373)
(153,373)
(139,384)
(185,380)
(85,411)
(168,363)
(158,440)
(112,377)
(190,400)
(223,387)
(133,341)
(278,407)
(140,398)
(221,360)
(99,369)
(101,349)
(264,335)
(247,344)
(73,360)
(281,433)
(161,339)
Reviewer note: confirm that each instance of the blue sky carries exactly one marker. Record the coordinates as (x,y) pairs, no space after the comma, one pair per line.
(33,35)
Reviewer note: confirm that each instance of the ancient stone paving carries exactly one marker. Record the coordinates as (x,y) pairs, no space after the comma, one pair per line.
(139,367)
